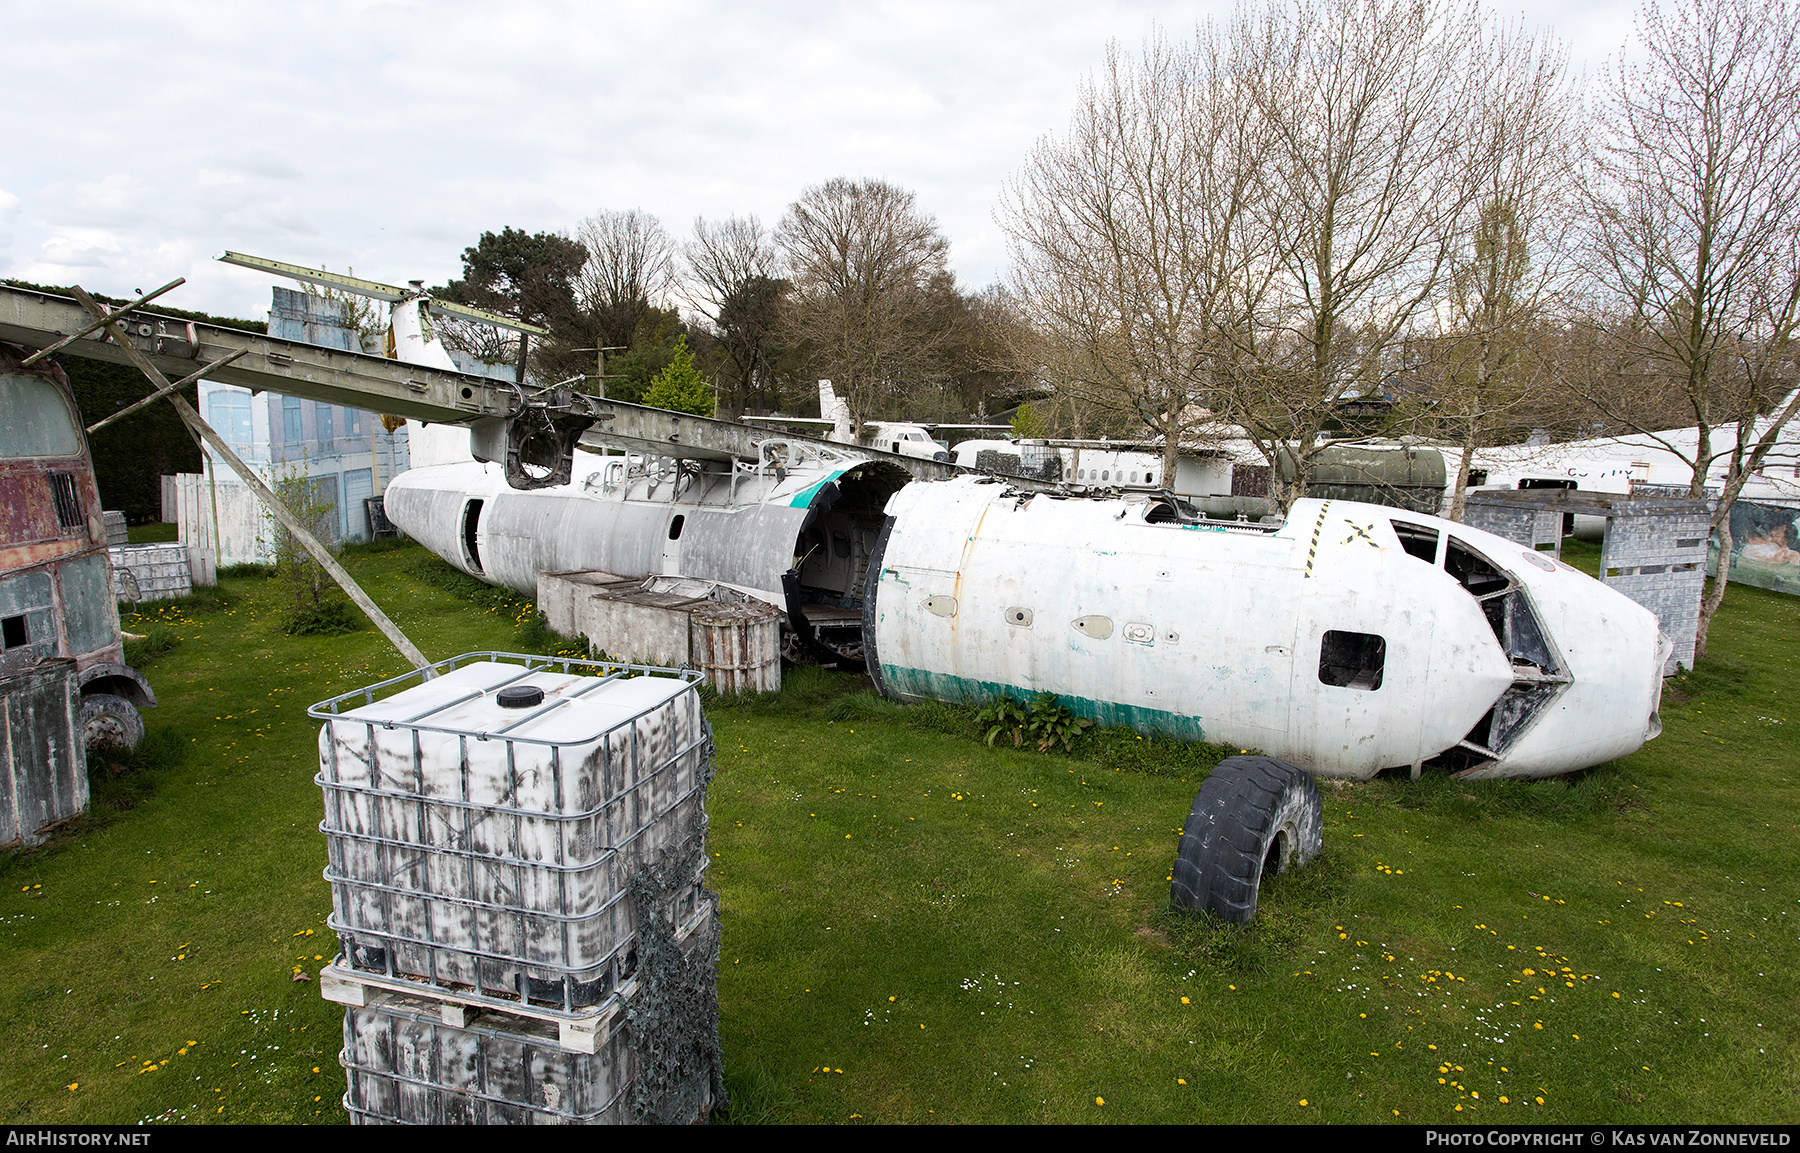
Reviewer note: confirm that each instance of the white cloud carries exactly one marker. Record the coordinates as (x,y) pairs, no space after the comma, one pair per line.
(388,136)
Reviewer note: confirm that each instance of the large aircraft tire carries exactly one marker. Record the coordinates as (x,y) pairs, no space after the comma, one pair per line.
(1253,815)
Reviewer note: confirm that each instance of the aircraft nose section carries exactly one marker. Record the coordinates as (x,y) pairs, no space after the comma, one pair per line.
(1597,702)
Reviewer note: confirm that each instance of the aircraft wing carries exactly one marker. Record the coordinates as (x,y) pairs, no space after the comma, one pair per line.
(809,421)
(997,428)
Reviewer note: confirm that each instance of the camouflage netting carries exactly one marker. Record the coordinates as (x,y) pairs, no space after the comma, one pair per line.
(673,1022)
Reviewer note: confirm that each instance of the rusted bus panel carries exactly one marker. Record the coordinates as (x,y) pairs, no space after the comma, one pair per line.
(52,530)
(46,780)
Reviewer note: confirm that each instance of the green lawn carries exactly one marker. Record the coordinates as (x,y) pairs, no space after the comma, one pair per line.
(918,928)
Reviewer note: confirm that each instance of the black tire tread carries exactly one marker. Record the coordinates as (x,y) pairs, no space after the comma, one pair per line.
(1234,820)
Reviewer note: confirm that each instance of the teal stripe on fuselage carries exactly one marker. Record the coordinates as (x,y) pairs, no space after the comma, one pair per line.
(804,498)
(947,687)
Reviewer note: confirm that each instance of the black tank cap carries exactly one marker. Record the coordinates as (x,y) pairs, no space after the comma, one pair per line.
(520,697)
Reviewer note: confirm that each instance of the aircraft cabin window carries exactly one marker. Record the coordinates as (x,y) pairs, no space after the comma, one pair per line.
(675,527)
(1352,660)
(1417,540)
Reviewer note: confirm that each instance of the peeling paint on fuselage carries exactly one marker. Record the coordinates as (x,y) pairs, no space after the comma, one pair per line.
(1223,633)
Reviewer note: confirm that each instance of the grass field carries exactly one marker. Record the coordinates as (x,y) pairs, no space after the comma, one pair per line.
(918,928)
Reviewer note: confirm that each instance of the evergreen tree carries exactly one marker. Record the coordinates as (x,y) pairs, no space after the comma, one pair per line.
(679,387)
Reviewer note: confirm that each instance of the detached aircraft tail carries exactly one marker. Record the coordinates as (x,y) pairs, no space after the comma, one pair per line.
(832,408)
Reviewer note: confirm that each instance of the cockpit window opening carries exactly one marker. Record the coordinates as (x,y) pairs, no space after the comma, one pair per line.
(1417,540)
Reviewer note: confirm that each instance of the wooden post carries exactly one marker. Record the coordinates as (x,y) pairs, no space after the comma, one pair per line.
(270,501)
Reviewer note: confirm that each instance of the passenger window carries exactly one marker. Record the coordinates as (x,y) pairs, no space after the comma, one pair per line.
(1352,660)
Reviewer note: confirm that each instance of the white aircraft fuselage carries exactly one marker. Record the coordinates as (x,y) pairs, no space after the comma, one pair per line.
(1352,639)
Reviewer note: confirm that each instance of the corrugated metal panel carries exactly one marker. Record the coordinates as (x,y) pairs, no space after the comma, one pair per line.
(46,780)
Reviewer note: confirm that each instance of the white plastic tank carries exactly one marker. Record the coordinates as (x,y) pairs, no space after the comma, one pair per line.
(483,825)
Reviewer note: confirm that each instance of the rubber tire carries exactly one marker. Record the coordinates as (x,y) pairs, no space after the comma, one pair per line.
(108,721)
(1252,815)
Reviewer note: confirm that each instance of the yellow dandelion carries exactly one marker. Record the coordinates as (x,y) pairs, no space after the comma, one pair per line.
(1099,1100)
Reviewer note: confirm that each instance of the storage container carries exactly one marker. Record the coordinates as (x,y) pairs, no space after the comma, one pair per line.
(485,850)
(413,1060)
(150,572)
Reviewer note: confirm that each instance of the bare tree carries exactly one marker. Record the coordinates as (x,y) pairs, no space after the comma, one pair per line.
(1132,237)
(630,269)
(863,256)
(733,280)
(1696,234)
(1362,190)
(1485,362)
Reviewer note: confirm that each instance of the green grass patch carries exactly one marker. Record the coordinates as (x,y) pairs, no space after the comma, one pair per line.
(918,928)
(153,533)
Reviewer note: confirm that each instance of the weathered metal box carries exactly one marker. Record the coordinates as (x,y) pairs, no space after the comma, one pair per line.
(150,572)
(485,850)
(731,637)
(40,745)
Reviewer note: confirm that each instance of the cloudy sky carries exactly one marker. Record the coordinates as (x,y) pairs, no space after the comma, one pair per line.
(386,137)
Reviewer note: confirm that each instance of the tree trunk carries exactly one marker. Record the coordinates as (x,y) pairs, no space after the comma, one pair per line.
(1460,495)
(1722,578)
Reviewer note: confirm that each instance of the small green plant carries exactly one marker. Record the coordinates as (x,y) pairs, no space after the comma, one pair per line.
(535,636)
(1004,713)
(1051,723)
(305,583)
(328,618)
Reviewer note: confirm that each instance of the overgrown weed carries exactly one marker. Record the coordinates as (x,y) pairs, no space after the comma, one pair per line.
(328,618)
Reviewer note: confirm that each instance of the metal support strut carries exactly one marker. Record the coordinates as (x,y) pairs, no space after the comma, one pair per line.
(263,493)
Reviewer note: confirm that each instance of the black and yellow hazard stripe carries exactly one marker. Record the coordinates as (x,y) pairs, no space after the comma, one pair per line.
(1313,549)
